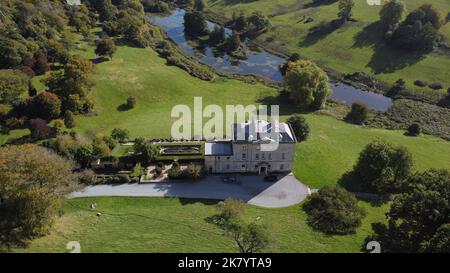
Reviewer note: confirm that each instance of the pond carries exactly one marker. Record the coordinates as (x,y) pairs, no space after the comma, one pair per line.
(259,62)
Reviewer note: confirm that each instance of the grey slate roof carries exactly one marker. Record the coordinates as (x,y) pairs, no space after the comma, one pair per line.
(218,149)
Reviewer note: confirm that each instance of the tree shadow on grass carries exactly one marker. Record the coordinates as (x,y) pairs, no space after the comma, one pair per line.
(321,31)
(351,183)
(385,59)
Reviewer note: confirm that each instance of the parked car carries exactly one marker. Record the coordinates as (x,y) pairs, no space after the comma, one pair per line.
(270,178)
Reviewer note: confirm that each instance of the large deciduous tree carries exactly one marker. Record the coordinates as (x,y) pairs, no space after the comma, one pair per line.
(13,83)
(333,210)
(73,84)
(105,47)
(345,9)
(418,220)
(391,13)
(382,168)
(307,84)
(33,181)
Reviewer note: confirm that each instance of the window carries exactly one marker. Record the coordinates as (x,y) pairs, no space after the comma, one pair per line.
(257,156)
(243,166)
(218,158)
(263,156)
(228,166)
(244,156)
(228,158)
(281,167)
(283,156)
(270,156)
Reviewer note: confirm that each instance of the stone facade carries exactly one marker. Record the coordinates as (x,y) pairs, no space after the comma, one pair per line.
(246,154)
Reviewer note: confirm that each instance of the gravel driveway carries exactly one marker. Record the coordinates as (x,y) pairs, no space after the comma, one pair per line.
(287,191)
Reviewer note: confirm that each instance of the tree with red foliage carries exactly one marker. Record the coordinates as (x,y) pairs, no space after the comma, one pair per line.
(39,129)
(46,105)
(41,63)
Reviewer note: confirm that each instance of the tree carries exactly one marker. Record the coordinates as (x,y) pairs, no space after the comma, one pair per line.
(46,105)
(419,31)
(120,134)
(234,42)
(100,149)
(84,154)
(131,102)
(391,13)
(105,47)
(69,119)
(145,150)
(249,238)
(138,171)
(345,9)
(414,130)
(105,9)
(418,220)
(199,5)
(300,127)
(73,84)
(333,210)
(240,23)
(433,15)
(358,114)
(217,36)
(230,209)
(195,23)
(307,84)
(41,64)
(34,181)
(39,129)
(382,168)
(13,83)
(259,20)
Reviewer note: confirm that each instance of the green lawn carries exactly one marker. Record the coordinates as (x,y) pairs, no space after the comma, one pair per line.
(179,225)
(331,150)
(352,48)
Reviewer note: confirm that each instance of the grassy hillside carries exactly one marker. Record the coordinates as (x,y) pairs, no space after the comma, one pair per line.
(180,225)
(355,47)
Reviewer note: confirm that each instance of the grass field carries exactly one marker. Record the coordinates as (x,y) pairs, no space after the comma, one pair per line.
(331,150)
(355,47)
(180,225)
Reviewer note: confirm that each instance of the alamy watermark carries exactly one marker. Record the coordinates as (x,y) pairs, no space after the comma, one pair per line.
(189,123)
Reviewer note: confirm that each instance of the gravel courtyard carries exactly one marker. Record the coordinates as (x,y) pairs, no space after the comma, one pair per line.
(287,191)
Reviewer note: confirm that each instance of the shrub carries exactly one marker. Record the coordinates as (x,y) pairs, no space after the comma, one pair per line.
(420,83)
(87,177)
(358,114)
(300,127)
(414,130)
(14,123)
(230,209)
(131,102)
(333,210)
(123,178)
(436,86)
(69,119)
(120,134)
(194,171)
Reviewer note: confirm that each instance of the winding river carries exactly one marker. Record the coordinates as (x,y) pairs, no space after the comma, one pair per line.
(259,62)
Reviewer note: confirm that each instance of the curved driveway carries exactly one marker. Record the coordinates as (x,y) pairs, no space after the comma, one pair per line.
(287,191)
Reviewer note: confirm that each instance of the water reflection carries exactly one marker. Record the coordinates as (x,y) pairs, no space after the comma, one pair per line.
(258,62)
